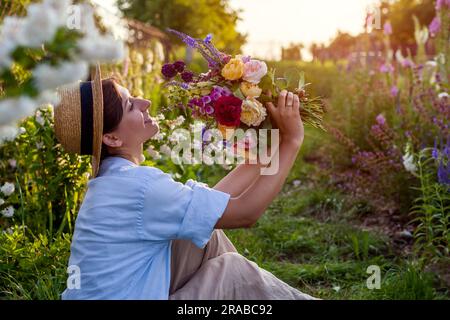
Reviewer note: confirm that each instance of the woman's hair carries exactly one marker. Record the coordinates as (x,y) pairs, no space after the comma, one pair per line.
(112,110)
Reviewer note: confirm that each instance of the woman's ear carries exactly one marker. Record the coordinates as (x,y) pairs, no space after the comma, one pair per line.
(112,140)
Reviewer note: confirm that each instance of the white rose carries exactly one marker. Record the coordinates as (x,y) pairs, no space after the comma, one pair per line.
(8,189)
(2,201)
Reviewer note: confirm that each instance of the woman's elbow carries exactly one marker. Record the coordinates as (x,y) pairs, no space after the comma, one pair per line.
(237,215)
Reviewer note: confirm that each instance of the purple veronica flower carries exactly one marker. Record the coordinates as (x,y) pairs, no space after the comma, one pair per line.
(187,76)
(444,173)
(208,38)
(185,38)
(168,71)
(435,153)
(446,151)
(179,66)
(435,26)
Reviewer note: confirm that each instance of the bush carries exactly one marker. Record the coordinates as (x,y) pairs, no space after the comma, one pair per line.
(32,267)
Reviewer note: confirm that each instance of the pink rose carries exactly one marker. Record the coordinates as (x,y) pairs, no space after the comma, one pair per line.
(254,70)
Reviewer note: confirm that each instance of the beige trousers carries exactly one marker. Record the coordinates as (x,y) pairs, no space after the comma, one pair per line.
(219,272)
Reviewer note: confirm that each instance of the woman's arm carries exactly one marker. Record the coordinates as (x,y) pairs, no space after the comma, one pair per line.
(241,178)
(246,209)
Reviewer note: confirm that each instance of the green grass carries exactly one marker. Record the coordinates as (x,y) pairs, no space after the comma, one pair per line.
(309,237)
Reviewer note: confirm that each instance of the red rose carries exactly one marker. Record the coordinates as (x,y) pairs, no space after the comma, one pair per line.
(227,110)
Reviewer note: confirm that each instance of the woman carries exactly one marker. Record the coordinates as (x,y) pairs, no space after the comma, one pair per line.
(141,235)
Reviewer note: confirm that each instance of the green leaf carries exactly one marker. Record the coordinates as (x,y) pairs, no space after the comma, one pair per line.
(238,93)
(266,83)
(301,81)
(291,77)
(281,83)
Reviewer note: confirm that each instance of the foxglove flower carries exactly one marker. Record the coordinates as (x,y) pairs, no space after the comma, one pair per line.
(394,91)
(381,120)
(386,68)
(435,26)
(387,28)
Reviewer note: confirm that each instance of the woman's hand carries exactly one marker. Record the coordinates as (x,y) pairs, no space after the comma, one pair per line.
(286,116)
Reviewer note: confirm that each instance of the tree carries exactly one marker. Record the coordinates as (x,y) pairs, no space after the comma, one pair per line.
(401,13)
(293,52)
(194,17)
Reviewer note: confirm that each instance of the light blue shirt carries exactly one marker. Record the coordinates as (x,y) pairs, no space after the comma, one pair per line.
(124,229)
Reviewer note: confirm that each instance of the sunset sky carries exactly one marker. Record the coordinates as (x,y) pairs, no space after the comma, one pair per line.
(271,24)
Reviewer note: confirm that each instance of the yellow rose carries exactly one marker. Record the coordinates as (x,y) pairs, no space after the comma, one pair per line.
(250,90)
(253,112)
(233,70)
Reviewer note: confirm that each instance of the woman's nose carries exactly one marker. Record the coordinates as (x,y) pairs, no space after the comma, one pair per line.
(145,104)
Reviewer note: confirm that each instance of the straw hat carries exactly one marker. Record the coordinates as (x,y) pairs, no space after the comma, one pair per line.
(79,118)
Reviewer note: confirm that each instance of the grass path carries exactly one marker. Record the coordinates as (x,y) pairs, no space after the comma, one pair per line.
(310,238)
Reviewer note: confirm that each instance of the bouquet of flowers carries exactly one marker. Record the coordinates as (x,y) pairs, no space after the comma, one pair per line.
(233,92)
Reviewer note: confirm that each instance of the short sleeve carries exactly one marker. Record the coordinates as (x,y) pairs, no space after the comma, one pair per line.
(173,210)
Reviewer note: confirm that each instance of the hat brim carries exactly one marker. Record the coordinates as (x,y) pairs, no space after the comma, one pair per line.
(97,94)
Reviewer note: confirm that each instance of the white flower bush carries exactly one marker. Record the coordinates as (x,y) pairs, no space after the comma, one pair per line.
(8,212)
(52,50)
(7,189)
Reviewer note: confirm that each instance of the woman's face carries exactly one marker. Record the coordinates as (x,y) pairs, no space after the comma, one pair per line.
(136,125)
